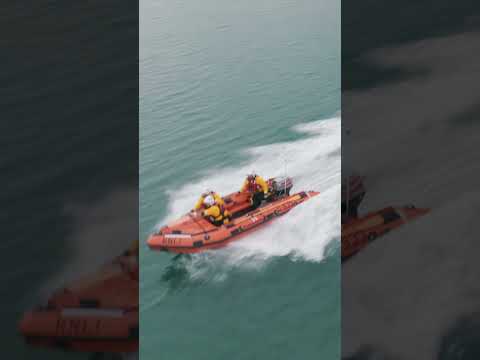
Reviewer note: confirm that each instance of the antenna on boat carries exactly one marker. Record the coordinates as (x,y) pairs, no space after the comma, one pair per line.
(285,172)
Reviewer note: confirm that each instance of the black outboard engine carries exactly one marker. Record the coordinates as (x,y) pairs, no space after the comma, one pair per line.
(280,186)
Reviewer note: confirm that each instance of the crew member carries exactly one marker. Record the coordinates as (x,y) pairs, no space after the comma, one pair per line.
(215,213)
(200,203)
(258,187)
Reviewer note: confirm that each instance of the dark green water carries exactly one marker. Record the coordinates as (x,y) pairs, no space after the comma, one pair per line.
(224,88)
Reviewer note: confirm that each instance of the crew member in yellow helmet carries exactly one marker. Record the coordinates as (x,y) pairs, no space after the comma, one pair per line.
(215,213)
(200,203)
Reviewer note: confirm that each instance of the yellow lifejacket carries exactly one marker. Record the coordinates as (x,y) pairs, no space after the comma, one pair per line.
(258,184)
(217,213)
(218,200)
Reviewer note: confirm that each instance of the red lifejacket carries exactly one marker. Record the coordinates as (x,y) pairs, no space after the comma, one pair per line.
(253,186)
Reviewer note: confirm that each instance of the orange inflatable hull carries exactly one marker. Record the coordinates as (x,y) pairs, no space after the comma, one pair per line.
(192,233)
(96,314)
(357,233)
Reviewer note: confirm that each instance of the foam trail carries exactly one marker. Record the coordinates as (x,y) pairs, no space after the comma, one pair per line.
(314,163)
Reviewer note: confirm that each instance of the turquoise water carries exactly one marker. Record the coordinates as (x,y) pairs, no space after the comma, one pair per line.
(226,88)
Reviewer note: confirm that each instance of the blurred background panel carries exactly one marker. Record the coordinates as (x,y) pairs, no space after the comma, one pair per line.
(69,135)
(410,115)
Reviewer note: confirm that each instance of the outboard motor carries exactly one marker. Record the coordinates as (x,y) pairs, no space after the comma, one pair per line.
(281,186)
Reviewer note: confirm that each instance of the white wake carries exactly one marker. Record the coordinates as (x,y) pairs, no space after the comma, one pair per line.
(305,232)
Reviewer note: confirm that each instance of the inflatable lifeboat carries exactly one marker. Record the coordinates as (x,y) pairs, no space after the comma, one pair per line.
(357,233)
(192,233)
(96,314)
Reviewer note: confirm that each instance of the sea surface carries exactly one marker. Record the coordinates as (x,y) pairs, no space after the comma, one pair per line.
(227,88)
